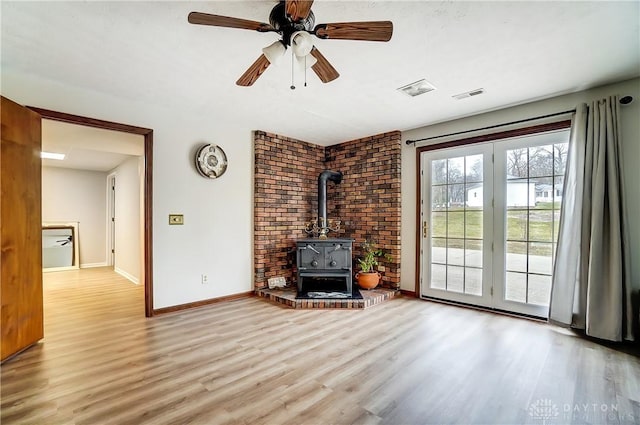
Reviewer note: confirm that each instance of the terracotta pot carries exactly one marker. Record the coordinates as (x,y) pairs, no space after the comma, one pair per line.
(368,280)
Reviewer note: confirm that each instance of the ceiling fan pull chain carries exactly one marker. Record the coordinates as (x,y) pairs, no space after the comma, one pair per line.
(293,87)
(305,70)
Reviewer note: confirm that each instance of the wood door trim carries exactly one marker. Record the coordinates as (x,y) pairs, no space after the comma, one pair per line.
(541,128)
(148,184)
(89,122)
(418,267)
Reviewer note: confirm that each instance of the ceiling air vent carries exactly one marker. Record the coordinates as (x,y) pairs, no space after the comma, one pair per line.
(468,94)
(417,88)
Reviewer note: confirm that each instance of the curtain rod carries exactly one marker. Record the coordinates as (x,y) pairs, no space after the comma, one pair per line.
(625,100)
(570,111)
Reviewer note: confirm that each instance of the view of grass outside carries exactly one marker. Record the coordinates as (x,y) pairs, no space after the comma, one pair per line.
(466,223)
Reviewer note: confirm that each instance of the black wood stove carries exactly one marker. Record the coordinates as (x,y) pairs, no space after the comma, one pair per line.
(324,265)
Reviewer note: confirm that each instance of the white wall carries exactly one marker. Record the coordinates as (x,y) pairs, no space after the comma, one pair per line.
(216,238)
(218,219)
(630,118)
(128,258)
(76,195)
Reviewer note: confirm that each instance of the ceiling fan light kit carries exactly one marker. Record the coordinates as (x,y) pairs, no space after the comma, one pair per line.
(301,43)
(275,52)
(294,21)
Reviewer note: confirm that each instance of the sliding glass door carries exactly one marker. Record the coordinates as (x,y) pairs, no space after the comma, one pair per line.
(456,227)
(489,216)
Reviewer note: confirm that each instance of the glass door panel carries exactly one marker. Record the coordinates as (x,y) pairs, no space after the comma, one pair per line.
(528,193)
(456,193)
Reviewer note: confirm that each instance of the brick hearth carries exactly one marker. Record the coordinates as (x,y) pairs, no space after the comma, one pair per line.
(287,297)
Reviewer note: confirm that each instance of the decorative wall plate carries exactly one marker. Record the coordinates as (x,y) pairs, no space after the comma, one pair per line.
(211,161)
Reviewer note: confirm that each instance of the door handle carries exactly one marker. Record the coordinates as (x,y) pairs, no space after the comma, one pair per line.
(309,247)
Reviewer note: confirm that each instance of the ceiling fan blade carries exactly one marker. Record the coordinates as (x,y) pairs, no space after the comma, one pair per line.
(367,31)
(254,72)
(323,69)
(298,9)
(227,22)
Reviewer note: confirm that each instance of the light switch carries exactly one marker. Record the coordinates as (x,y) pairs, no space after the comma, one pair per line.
(176,219)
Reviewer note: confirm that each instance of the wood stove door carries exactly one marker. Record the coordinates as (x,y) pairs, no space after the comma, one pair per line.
(337,257)
(310,257)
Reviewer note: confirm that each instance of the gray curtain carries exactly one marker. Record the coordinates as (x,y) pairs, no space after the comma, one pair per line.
(591,280)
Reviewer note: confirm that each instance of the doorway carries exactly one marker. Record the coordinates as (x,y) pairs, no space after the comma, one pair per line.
(147,268)
(490,215)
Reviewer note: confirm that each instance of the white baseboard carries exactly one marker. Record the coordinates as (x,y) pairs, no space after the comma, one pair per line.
(127,275)
(90,265)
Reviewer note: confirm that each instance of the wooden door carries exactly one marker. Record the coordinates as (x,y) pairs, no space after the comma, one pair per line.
(21,316)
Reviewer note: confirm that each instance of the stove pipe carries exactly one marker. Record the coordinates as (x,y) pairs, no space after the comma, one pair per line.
(334,176)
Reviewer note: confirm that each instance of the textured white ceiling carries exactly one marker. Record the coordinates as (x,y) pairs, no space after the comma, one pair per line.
(516,51)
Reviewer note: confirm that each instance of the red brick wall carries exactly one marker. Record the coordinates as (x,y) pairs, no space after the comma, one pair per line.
(368,199)
(285,196)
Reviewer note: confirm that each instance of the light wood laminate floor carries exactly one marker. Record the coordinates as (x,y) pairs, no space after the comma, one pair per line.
(251,362)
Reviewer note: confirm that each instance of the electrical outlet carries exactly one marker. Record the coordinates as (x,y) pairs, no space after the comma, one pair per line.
(205,279)
(277,282)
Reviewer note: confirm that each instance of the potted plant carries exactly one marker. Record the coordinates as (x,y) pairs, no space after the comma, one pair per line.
(368,277)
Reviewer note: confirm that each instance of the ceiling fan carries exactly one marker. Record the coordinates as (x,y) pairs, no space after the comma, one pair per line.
(294,21)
